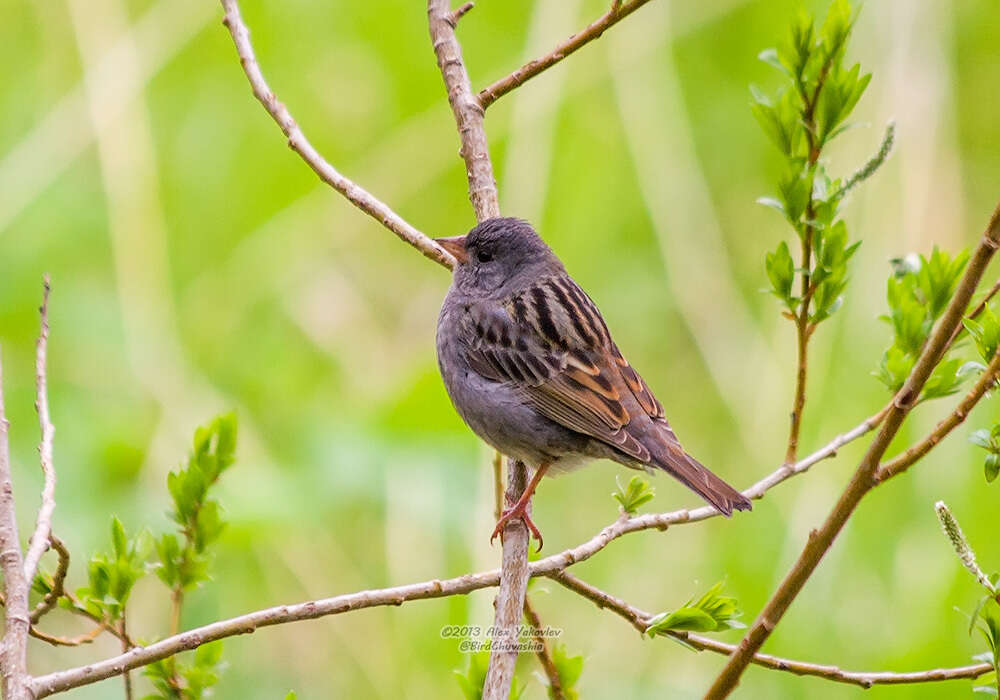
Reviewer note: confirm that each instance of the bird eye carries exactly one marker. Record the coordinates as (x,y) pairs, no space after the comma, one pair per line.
(484,256)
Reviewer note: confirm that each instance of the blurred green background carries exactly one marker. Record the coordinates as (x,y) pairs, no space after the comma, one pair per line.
(198,265)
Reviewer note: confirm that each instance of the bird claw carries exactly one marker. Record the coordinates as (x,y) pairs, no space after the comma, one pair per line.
(512,514)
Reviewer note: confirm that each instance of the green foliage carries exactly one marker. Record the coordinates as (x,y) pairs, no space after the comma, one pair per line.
(111,576)
(636,493)
(989,440)
(985,331)
(712,612)
(918,291)
(801,119)
(174,680)
(569,669)
(988,624)
(183,566)
(473,678)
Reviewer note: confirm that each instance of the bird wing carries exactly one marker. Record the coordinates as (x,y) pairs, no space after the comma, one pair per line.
(550,342)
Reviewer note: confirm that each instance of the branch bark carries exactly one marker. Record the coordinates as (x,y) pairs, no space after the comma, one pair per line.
(475,149)
(14,647)
(43,525)
(865,679)
(529,70)
(297,141)
(864,478)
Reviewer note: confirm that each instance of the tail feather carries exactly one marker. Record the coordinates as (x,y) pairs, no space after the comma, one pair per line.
(690,472)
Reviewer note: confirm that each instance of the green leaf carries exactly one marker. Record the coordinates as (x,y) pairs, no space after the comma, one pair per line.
(710,613)
(781,271)
(982,438)
(770,57)
(635,494)
(992,467)
(118,538)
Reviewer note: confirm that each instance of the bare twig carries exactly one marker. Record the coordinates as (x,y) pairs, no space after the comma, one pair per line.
(14,647)
(529,70)
(57,589)
(43,524)
(866,679)
(297,141)
(57,641)
(126,645)
(864,477)
(544,653)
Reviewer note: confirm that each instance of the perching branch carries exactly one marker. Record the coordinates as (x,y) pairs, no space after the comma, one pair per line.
(43,525)
(866,679)
(864,478)
(297,141)
(619,11)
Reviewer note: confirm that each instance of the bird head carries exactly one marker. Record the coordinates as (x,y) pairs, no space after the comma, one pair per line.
(500,254)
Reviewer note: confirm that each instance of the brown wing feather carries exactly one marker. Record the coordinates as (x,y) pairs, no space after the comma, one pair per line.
(550,342)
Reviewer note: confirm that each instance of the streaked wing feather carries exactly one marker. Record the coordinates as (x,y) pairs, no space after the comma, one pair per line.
(551,342)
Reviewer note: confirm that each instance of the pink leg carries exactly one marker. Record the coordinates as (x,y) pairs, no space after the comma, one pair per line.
(520,510)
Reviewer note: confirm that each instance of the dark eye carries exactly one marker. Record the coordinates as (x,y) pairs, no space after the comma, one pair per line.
(484,256)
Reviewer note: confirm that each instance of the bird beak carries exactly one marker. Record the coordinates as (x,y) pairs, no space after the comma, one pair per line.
(456,246)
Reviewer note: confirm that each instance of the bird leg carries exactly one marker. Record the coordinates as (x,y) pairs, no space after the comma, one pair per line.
(520,509)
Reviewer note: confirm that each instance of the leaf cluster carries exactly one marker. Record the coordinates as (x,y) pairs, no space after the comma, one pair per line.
(175,680)
(111,576)
(989,440)
(184,561)
(712,612)
(808,112)
(635,494)
(918,291)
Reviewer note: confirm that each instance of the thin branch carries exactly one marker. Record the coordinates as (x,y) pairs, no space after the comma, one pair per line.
(803,326)
(297,141)
(865,679)
(529,70)
(980,307)
(987,380)
(57,641)
(475,149)
(544,653)
(57,589)
(864,477)
(43,525)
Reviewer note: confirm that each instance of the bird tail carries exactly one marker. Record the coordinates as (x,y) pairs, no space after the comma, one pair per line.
(690,472)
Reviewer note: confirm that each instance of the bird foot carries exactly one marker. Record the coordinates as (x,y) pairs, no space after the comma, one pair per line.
(518,511)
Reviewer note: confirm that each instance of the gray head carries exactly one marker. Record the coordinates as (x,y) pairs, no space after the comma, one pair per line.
(498,255)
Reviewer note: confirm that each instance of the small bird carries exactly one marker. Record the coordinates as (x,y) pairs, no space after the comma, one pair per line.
(530,366)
